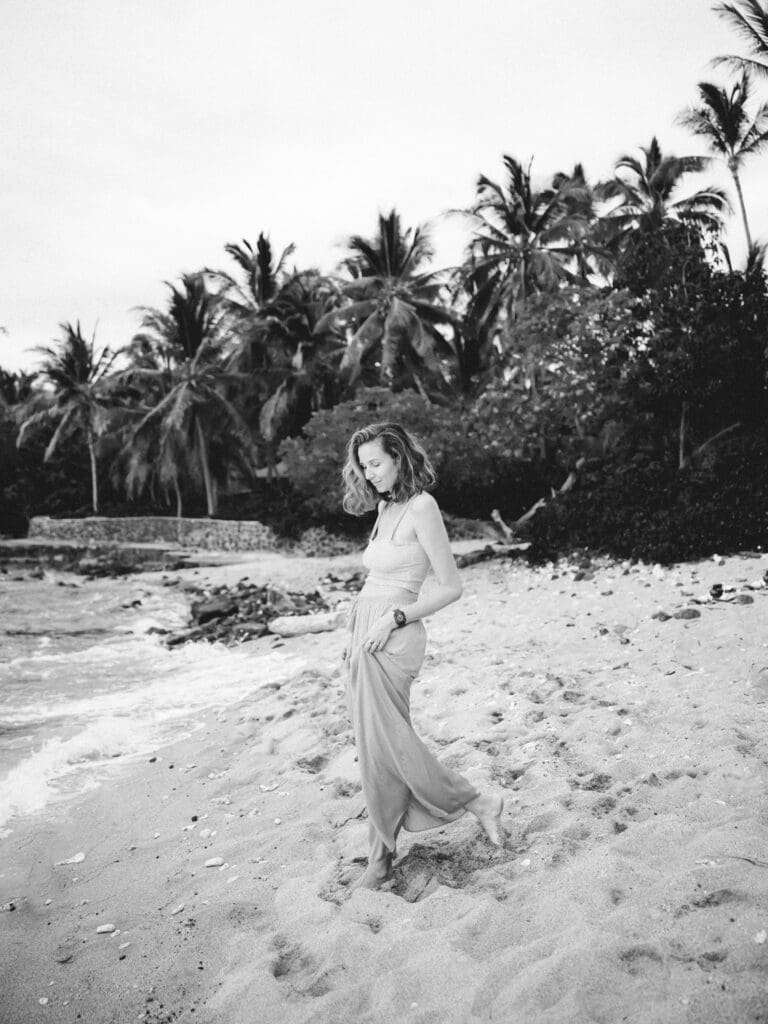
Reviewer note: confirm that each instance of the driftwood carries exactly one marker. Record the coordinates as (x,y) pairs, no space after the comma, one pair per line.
(490,551)
(691,459)
(508,532)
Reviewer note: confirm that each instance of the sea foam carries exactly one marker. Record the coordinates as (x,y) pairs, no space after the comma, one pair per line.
(151,697)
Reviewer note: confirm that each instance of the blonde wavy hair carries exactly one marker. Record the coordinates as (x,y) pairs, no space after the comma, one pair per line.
(415,473)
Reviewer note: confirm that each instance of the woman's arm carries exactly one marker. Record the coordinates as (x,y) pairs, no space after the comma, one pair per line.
(431,533)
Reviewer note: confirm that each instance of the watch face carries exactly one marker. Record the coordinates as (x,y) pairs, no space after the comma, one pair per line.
(399,618)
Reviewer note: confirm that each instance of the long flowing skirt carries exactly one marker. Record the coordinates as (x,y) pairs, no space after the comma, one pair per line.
(403,783)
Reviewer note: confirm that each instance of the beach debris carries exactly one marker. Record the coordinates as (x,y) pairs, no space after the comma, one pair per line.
(214,862)
(105,929)
(298,625)
(177,910)
(43,1001)
(9,906)
(278,821)
(716,591)
(78,858)
(216,608)
(243,612)
(270,788)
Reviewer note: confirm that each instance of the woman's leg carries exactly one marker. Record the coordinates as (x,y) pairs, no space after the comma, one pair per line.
(379,862)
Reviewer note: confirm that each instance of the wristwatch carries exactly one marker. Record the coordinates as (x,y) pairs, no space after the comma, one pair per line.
(400,619)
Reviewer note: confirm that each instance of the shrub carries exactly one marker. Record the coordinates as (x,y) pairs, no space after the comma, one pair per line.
(645,510)
(472,479)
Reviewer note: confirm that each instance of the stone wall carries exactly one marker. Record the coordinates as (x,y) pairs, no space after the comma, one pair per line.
(207,534)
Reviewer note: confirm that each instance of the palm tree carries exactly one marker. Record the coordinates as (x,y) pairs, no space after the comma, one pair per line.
(177,359)
(750,19)
(525,241)
(647,189)
(244,298)
(262,275)
(731,133)
(15,388)
(395,305)
(284,367)
(304,359)
(80,403)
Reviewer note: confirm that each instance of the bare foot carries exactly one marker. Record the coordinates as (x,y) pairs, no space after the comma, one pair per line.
(377,872)
(487,808)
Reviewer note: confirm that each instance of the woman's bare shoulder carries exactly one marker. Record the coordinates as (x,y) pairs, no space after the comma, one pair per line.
(424,504)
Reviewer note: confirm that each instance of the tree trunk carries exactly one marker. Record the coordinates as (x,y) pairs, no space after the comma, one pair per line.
(681,439)
(740,194)
(94,475)
(390,347)
(179,510)
(202,454)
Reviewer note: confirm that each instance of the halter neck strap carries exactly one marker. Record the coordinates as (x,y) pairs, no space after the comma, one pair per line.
(400,517)
(375,530)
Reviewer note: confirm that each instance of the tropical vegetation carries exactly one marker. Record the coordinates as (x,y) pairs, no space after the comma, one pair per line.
(596,358)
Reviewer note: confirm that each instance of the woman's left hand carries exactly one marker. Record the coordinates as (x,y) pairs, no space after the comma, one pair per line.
(379,632)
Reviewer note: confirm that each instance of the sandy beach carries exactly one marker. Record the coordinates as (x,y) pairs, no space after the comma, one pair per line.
(633,755)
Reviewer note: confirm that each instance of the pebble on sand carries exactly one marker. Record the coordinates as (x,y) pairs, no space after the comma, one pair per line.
(214,862)
(105,929)
(761,937)
(77,859)
(177,910)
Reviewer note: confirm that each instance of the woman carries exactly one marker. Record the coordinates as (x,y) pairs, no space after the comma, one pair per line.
(404,785)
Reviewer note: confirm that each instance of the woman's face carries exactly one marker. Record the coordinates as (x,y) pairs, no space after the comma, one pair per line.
(379,467)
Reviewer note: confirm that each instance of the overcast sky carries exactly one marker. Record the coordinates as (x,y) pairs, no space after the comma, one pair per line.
(139,137)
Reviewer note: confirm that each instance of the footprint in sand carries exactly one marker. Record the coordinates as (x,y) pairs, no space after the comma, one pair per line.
(710,899)
(424,868)
(299,970)
(313,765)
(596,782)
(507,777)
(637,960)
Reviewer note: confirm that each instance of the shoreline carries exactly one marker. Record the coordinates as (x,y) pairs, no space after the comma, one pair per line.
(633,757)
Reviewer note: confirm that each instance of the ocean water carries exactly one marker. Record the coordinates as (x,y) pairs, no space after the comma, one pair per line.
(87,686)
